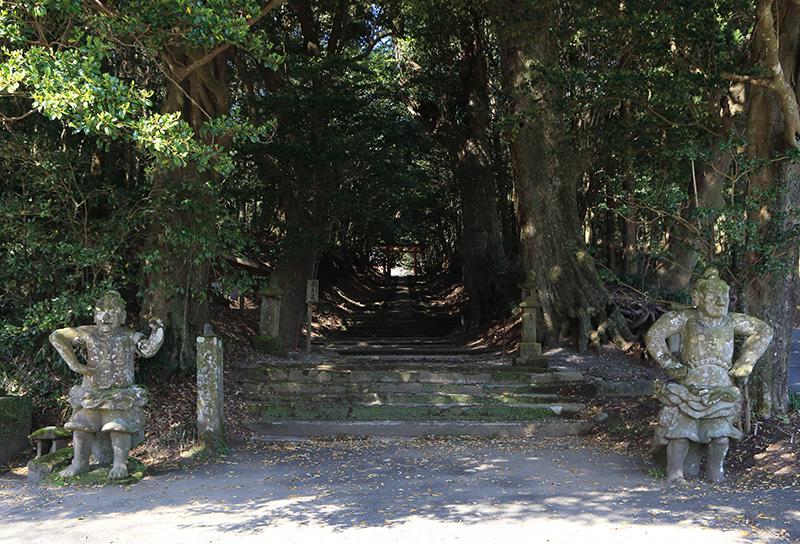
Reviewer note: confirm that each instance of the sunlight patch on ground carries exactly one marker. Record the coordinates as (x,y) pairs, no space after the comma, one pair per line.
(349,300)
(401,272)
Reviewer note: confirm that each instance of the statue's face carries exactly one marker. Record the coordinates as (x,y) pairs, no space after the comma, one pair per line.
(108,317)
(713,302)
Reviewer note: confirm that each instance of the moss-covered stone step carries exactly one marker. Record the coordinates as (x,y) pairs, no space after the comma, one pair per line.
(408,398)
(482,375)
(338,411)
(547,427)
(351,340)
(465,364)
(399,332)
(426,351)
(255,390)
(557,407)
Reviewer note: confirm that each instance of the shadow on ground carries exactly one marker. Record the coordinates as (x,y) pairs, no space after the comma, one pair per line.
(340,485)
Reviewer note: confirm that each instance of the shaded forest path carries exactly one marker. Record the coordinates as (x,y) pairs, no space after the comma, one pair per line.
(403,318)
(396,364)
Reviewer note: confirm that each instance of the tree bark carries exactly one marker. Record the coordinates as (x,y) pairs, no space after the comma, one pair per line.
(178,276)
(630,232)
(574,300)
(771,294)
(688,242)
(486,269)
(303,241)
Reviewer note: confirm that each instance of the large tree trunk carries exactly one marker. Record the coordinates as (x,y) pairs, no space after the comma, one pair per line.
(185,218)
(574,300)
(292,271)
(689,239)
(308,192)
(630,233)
(305,236)
(773,130)
(486,269)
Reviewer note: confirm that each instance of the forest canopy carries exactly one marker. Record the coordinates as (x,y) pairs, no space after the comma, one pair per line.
(581,145)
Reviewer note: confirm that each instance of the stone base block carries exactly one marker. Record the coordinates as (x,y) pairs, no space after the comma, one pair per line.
(42,467)
(268,344)
(529,350)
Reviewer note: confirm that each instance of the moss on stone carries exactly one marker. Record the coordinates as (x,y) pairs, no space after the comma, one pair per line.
(338,411)
(43,467)
(58,459)
(50,433)
(98,475)
(206,451)
(268,344)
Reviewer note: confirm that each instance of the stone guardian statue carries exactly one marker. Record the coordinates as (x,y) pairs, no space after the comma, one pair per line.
(701,403)
(106,400)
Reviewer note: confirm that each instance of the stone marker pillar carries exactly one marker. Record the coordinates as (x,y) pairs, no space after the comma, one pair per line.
(210,421)
(529,348)
(268,339)
(270,309)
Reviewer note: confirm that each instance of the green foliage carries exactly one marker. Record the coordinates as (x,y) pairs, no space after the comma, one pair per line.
(124,167)
(794,402)
(65,235)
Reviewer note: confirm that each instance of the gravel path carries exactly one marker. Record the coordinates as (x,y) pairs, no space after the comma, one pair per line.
(377,491)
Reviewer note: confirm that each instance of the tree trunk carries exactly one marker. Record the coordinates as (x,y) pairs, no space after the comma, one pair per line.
(610,236)
(185,218)
(574,300)
(688,239)
(630,233)
(773,124)
(292,272)
(486,269)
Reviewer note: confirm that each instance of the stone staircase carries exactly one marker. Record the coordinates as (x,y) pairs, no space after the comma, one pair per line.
(395,371)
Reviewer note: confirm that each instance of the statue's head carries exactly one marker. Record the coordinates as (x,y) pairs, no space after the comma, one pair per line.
(109,311)
(711,295)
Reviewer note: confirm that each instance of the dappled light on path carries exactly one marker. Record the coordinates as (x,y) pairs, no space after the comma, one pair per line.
(358,490)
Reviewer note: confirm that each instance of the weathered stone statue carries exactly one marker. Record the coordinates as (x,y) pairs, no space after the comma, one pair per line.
(107,401)
(701,402)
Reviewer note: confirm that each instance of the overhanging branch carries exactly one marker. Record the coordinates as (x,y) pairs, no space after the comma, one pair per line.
(373,44)
(776,79)
(182,72)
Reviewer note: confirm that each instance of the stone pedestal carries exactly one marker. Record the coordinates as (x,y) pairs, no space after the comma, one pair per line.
(270,316)
(49,439)
(267,340)
(529,348)
(210,419)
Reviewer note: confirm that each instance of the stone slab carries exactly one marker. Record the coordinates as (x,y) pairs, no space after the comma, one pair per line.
(633,388)
(42,467)
(409,429)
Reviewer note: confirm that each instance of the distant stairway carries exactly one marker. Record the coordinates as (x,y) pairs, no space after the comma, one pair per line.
(395,372)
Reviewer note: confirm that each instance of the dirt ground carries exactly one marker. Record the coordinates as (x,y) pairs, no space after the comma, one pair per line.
(428,490)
